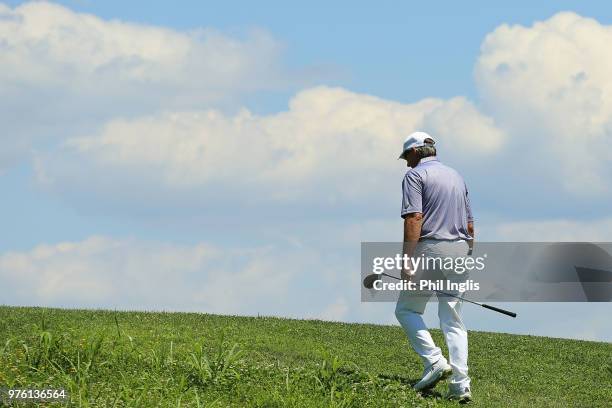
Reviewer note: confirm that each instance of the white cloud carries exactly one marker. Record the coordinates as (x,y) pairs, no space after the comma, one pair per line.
(49,45)
(331,146)
(128,273)
(463,129)
(549,85)
(105,272)
(62,72)
(95,270)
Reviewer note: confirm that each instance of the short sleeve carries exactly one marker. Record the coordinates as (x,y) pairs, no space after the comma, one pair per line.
(412,194)
(468,206)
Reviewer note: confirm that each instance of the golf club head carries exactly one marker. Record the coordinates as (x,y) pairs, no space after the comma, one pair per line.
(368,281)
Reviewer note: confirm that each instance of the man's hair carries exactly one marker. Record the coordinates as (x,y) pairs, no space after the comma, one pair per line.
(427,150)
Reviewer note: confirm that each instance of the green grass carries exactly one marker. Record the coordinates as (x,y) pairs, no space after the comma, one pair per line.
(139,359)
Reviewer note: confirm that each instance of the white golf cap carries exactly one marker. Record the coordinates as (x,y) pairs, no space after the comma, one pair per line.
(416,139)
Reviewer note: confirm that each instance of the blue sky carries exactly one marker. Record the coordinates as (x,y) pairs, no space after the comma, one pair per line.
(129,134)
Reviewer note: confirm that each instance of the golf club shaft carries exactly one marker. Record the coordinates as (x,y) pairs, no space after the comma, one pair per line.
(495,309)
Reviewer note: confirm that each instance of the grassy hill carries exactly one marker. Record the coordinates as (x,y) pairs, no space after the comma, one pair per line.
(106,358)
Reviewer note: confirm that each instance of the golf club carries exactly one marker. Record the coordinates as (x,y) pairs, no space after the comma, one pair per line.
(368,283)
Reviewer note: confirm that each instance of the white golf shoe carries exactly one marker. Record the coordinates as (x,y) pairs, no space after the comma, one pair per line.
(461,394)
(433,374)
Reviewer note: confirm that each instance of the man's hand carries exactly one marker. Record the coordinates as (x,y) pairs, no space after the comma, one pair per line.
(406,274)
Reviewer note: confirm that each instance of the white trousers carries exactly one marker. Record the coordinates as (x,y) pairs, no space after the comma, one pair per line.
(411,305)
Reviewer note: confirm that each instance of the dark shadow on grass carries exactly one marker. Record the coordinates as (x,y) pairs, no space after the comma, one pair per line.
(430,394)
(408,382)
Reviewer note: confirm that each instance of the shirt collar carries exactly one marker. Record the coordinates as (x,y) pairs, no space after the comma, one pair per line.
(428,159)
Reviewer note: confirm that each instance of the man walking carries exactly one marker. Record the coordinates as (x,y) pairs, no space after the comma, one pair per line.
(438,223)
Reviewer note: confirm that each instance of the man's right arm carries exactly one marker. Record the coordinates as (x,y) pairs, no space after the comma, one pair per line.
(412,213)
(470,221)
